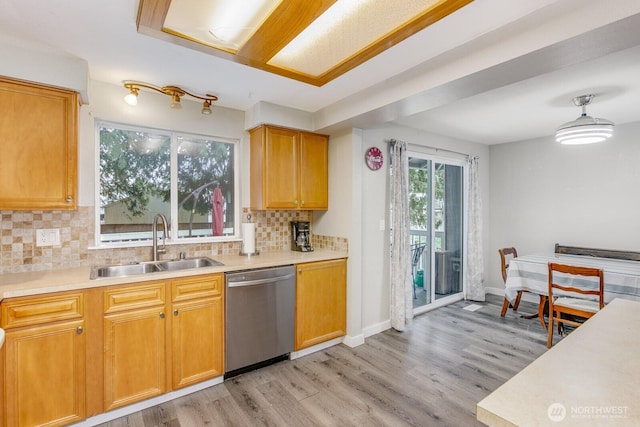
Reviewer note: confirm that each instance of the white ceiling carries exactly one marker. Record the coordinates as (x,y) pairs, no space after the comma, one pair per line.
(479,74)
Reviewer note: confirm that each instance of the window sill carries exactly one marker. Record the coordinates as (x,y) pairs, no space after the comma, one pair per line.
(148,243)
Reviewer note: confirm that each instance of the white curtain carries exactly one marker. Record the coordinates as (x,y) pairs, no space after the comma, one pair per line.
(474,280)
(401,305)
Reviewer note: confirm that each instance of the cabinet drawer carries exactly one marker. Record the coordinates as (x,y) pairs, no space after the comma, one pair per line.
(137,296)
(35,310)
(196,287)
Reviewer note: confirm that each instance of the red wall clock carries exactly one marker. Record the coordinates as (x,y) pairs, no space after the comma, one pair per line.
(374,159)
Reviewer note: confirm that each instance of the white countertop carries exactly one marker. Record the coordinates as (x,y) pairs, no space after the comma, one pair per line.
(1,337)
(590,378)
(39,282)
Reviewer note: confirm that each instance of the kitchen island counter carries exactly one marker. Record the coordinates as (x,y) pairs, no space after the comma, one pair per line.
(41,282)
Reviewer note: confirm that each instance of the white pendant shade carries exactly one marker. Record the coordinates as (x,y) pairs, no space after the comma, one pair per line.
(585,129)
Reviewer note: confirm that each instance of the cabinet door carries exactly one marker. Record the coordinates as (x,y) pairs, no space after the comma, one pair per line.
(38,141)
(314,171)
(281,169)
(197,341)
(45,384)
(321,302)
(134,362)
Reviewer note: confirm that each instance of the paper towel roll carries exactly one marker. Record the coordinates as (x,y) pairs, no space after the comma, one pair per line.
(249,237)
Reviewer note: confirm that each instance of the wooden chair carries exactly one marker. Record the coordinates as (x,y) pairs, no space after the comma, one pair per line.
(575,299)
(506,255)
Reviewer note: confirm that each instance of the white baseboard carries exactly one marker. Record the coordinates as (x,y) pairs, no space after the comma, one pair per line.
(353,340)
(313,349)
(139,406)
(494,291)
(526,296)
(376,329)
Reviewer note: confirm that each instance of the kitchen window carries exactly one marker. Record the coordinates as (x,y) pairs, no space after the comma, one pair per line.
(142,172)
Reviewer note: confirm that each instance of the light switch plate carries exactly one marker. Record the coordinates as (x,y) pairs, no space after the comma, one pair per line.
(48,237)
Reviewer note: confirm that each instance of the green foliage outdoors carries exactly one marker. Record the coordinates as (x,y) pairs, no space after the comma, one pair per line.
(132,173)
(419,196)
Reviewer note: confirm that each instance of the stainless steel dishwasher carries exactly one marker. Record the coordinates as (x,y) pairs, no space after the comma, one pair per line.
(259,318)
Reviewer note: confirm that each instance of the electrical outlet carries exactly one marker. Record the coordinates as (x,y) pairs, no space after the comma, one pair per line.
(48,237)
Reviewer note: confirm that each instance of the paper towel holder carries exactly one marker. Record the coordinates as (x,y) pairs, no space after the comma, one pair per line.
(243,251)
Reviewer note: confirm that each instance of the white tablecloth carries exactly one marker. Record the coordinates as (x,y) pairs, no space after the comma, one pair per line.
(530,273)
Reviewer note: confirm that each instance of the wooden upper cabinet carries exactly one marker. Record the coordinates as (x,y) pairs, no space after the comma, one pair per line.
(289,169)
(39,146)
(314,171)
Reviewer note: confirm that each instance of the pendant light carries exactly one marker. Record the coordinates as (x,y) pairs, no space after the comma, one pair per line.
(585,129)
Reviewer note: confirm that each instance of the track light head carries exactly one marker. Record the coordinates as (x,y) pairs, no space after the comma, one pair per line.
(206,107)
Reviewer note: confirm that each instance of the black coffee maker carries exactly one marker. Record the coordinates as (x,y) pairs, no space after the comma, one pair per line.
(300,238)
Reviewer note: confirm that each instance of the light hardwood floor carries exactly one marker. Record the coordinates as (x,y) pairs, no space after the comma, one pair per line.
(432,374)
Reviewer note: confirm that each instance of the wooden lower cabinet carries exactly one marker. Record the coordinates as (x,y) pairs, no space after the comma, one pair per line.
(134,363)
(134,343)
(321,302)
(137,341)
(161,336)
(197,332)
(44,361)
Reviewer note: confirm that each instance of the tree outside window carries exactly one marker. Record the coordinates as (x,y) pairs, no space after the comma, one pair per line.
(137,181)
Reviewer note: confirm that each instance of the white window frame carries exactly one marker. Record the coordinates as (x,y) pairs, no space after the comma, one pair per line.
(174,187)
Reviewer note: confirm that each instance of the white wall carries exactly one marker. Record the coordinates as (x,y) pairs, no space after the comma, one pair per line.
(375,203)
(344,217)
(544,193)
(22,61)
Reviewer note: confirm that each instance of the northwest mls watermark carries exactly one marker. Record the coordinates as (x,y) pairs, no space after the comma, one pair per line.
(558,412)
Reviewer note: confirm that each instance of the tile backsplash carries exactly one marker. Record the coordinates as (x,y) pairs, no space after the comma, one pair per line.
(19,253)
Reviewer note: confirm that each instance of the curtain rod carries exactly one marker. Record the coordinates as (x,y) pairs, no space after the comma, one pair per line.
(392,141)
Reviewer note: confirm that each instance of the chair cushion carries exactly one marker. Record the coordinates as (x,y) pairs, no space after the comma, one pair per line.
(578,304)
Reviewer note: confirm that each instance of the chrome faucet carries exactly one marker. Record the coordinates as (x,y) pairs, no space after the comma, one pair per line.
(154,231)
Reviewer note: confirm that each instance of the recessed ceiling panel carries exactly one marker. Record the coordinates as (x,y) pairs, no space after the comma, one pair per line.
(222,24)
(313,41)
(346,29)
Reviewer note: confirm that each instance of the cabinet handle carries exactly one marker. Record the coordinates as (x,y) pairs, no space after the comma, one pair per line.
(175,312)
(303,203)
(300,271)
(69,199)
(161,315)
(295,202)
(79,330)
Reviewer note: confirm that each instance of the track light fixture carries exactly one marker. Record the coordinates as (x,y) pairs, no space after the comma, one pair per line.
(175,92)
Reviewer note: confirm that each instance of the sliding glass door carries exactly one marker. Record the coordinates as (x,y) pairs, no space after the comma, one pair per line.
(436,192)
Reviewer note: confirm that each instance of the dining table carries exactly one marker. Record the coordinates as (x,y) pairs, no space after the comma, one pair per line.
(531,273)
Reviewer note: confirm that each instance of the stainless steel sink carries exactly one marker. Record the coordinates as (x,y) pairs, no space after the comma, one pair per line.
(102,272)
(183,264)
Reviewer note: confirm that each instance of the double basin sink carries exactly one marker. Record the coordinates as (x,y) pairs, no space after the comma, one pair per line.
(103,272)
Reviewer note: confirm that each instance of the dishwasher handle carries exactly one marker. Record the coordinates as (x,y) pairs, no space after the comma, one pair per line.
(259,281)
